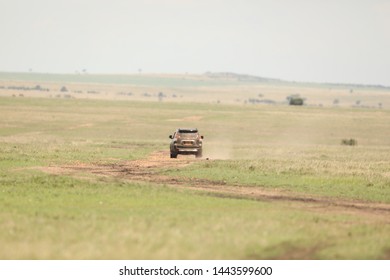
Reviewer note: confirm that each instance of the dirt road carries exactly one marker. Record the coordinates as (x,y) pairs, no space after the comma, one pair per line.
(149,170)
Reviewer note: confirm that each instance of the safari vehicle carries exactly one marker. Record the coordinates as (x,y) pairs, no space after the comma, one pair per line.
(186,141)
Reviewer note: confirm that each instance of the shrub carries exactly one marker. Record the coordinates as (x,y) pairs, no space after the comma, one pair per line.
(349,142)
(295,100)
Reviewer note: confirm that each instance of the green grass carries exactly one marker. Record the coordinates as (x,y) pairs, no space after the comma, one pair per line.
(46,216)
(353,173)
(56,217)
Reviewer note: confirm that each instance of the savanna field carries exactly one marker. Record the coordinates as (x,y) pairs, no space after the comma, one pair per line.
(85,171)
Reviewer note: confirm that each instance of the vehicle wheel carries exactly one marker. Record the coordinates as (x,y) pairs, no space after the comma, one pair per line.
(198,154)
(173,155)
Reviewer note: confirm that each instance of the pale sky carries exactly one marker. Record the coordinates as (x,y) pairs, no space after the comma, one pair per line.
(336,41)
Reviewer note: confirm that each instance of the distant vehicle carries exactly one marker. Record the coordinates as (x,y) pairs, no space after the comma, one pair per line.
(186,141)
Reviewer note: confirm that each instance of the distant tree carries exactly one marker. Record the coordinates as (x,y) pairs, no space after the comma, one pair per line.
(160,96)
(63,89)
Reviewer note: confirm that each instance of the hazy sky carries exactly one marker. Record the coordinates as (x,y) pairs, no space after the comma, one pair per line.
(340,41)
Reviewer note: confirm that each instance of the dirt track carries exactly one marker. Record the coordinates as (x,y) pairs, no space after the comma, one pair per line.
(149,170)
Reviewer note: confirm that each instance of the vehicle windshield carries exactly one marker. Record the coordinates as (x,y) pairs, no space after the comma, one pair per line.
(188,135)
(188,131)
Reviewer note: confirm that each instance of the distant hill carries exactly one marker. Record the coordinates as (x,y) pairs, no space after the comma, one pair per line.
(240,77)
(252,78)
(169,80)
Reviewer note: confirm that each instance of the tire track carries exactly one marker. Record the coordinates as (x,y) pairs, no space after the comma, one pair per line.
(149,170)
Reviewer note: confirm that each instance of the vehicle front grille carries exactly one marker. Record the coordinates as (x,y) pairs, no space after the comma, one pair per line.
(188,142)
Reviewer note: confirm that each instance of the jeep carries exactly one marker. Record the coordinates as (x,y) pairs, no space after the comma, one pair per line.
(186,141)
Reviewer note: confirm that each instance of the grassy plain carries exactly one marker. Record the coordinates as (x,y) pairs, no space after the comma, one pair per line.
(292,150)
